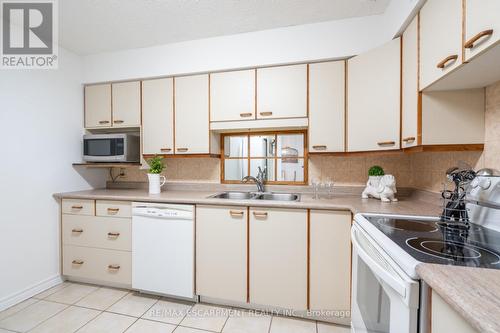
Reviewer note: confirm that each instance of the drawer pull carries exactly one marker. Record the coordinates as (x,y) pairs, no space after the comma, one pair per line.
(260,214)
(319,147)
(76,207)
(113,210)
(266,113)
(118,121)
(409,139)
(386,143)
(114,267)
(182,149)
(236,213)
(103,122)
(113,234)
(165,149)
(246,114)
(77,262)
(77,231)
(442,63)
(470,43)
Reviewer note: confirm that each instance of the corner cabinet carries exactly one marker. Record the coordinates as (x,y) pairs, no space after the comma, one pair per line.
(373,99)
(326,107)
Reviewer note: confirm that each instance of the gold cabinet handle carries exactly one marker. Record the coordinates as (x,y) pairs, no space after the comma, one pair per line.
(470,43)
(114,267)
(118,121)
(319,147)
(266,113)
(113,210)
(182,149)
(442,63)
(246,114)
(409,139)
(165,149)
(103,122)
(113,234)
(77,262)
(76,207)
(235,213)
(77,231)
(386,143)
(260,214)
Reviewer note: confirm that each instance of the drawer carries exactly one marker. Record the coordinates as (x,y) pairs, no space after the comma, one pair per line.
(97,264)
(95,231)
(78,207)
(113,208)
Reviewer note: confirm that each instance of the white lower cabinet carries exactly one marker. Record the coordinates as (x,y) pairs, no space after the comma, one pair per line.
(444,319)
(330,260)
(278,257)
(221,252)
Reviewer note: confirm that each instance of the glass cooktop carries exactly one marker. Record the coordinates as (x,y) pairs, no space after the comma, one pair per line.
(439,242)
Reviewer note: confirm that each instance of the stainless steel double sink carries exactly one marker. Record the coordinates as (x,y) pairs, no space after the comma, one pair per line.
(257,196)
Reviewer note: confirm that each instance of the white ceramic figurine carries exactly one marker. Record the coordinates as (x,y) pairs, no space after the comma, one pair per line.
(382,187)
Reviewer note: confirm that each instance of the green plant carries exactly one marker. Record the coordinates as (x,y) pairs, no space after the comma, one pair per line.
(156,165)
(376,171)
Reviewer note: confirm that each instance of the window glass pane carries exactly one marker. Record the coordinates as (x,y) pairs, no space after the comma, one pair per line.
(291,145)
(290,169)
(262,145)
(235,146)
(235,169)
(266,165)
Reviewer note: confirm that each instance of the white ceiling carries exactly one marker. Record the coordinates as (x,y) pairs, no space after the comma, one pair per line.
(96,26)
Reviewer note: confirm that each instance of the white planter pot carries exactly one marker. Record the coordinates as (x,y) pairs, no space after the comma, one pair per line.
(156,181)
(374,180)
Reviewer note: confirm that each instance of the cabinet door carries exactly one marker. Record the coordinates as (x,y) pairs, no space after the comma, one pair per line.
(126,104)
(373,99)
(482,28)
(440,39)
(232,95)
(278,257)
(98,106)
(158,116)
(409,87)
(326,106)
(445,319)
(282,92)
(221,252)
(330,260)
(191,115)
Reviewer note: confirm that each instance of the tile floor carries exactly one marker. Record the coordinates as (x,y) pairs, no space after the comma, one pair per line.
(73,307)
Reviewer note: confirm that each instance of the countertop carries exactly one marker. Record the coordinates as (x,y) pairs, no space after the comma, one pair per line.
(473,292)
(405,205)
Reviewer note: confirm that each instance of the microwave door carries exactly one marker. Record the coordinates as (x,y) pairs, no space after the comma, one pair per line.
(103,149)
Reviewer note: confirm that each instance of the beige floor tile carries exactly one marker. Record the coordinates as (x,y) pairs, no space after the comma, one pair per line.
(289,325)
(133,304)
(31,316)
(16,308)
(108,323)
(148,326)
(102,298)
(71,294)
(181,329)
(329,328)
(168,312)
(52,290)
(206,317)
(67,321)
(247,322)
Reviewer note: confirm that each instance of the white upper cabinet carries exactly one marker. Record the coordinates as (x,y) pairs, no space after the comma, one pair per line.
(440,39)
(409,134)
(482,26)
(98,105)
(158,116)
(326,106)
(126,107)
(232,95)
(373,99)
(191,115)
(282,92)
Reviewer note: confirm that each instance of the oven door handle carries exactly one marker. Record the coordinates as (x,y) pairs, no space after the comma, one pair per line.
(378,264)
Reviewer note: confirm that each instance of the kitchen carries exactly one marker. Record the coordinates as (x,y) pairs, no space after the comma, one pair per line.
(302,166)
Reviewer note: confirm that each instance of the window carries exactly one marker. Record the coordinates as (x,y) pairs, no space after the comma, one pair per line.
(282,156)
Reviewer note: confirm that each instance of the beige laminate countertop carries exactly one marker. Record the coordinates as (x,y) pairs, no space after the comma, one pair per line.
(406,205)
(473,292)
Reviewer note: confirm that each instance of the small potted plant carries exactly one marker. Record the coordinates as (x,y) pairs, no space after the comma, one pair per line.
(375,173)
(156,180)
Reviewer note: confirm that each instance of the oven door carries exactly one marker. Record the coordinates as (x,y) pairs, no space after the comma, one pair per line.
(384,298)
(104,149)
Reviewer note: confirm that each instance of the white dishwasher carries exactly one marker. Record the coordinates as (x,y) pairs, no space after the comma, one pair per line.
(163,248)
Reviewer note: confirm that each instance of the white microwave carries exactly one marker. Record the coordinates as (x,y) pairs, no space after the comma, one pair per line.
(119,147)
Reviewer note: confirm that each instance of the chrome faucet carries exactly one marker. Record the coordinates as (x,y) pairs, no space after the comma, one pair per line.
(259,180)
